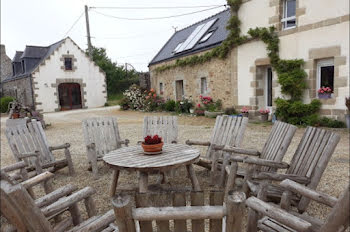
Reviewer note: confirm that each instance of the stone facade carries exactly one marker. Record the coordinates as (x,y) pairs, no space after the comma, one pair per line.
(19,89)
(321,32)
(6,64)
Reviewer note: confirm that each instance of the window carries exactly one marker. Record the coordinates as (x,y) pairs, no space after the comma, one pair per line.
(204,88)
(161,89)
(177,47)
(325,73)
(179,90)
(13,69)
(269,87)
(23,69)
(68,64)
(206,37)
(289,19)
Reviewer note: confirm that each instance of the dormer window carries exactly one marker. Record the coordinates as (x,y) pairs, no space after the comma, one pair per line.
(289,14)
(23,68)
(68,63)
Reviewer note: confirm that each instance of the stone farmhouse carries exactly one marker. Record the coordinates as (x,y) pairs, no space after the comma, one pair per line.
(57,77)
(316,31)
(6,64)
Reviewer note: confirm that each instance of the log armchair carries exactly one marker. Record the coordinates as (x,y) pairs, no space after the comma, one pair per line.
(162,207)
(274,149)
(306,167)
(34,215)
(164,126)
(28,142)
(227,131)
(283,218)
(101,136)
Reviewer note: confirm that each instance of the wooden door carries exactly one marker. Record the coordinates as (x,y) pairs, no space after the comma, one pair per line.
(70,96)
(179,90)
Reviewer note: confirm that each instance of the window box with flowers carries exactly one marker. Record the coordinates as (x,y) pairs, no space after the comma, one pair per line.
(324,92)
(264,114)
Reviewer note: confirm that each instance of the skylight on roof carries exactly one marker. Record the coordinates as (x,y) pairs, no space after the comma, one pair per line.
(195,36)
(177,47)
(206,37)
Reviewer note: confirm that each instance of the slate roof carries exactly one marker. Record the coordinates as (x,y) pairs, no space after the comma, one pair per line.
(32,56)
(219,35)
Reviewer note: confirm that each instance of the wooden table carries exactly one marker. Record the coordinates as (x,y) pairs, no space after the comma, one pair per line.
(132,158)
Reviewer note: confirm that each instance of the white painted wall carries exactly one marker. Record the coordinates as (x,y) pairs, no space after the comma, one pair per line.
(86,70)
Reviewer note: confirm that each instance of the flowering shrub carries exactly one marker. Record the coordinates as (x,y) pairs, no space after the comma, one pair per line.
(244,110)
(184,106)
(323,90)
(152,140)
(152,101)
(136,97)
(263,111)
(209,104)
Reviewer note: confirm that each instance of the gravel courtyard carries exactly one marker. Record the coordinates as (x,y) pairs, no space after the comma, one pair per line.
(66,127)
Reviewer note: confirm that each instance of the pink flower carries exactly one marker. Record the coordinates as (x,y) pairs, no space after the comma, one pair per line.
(198,105)
(154,95)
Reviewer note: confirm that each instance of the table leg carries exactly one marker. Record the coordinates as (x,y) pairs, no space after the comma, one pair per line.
(193,177)
(114,182)
(143,182)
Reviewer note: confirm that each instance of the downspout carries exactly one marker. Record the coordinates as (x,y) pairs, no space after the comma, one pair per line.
(32,90)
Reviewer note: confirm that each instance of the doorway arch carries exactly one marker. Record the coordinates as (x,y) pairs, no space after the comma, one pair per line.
(69,95)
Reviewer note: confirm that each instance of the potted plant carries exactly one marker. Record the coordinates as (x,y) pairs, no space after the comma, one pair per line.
(152,144)
(264,114)
(212,108)
(347,116)
(324,92)
(245,112)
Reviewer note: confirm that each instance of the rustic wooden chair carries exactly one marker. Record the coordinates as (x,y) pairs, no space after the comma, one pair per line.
(101,136)
(227,131)
(28,214)
(283,218)
(28,142)
(306,167)
(274,149)
(162,207)
(164,126)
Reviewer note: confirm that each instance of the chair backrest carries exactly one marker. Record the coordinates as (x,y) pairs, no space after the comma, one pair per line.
(164,126)
(162,207)
(27,139)
(338,219)
(227,131)
(103,132)
(312,156)
(277,143)
(20,210)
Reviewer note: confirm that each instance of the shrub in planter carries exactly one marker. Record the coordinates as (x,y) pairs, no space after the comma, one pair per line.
(4,102)
(169,105)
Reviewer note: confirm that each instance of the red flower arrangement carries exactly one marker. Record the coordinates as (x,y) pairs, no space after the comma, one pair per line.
(323,90)
(152,140)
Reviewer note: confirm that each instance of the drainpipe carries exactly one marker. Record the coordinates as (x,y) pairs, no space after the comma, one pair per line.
(32,90)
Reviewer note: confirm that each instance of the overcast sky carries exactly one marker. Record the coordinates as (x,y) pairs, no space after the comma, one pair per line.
(43,22)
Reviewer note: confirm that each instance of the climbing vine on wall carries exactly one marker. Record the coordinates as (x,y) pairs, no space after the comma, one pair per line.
(291,75)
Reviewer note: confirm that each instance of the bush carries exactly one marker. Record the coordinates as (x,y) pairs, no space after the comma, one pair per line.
(199,112)
(230,111)
(328,122)
(4,103)
(125,103)
(169,105)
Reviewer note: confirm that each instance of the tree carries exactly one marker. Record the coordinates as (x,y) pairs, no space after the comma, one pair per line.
(117,78)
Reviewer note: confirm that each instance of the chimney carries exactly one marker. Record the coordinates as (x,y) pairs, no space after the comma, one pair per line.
(2,49)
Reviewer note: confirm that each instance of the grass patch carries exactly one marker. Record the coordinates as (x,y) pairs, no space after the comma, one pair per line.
(114,99)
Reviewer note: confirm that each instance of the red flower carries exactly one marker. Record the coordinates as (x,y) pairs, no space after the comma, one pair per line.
(198,105)
(152,140)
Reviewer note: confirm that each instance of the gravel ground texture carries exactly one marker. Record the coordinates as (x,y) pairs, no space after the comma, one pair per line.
(66,127)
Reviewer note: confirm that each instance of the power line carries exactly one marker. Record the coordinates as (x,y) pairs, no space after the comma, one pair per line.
(75,22)
(152,7)
(164,17)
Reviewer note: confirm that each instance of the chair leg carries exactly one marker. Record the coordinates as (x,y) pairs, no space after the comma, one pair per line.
(231,178)
(69,161)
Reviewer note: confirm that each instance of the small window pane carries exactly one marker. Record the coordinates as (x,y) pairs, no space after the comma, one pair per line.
(161,88)
(68,63)
(206,37)
(327,76)
(203,85)
(291,7)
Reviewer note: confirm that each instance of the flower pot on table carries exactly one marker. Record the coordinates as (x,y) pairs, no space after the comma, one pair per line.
(152,147)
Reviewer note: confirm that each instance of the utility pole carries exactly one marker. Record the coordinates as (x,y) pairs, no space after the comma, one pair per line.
(88,31)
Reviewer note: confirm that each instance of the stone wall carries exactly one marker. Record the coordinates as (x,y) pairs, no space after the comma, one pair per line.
(19,89)
(221,83)
(6,65)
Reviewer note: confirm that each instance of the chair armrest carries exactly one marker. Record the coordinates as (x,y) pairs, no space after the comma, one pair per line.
(278,214)
(55,195)
(260,162)
(37,179)
(15,166)
(201,143)
(125,142)
(309,193)
(28,155)
(244,151)
(63,146)
(281,177)
(67,201)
